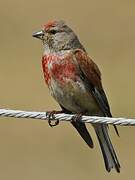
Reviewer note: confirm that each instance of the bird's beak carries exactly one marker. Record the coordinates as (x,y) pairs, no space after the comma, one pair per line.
(38,34)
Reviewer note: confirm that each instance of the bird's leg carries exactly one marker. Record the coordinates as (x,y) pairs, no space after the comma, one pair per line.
(50,116)
(77,117)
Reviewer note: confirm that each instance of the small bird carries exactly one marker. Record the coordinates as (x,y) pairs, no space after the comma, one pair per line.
(74,80)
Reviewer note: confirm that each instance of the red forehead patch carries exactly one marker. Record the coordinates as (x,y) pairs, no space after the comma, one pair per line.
(49,25)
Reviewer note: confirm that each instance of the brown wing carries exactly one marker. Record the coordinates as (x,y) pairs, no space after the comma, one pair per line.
(91,74)
(89,68)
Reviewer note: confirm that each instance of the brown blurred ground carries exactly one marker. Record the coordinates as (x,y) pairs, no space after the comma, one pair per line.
(31,150)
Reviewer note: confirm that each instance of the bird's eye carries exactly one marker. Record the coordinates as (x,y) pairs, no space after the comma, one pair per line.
(53,31)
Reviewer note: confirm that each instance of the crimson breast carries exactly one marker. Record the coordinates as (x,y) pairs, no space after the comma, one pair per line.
(59,68)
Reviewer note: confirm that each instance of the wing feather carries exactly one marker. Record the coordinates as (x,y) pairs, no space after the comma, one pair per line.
(92,75)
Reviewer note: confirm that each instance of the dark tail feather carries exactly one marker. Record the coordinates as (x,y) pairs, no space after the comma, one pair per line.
(116,130)
(82,130)
(109,155)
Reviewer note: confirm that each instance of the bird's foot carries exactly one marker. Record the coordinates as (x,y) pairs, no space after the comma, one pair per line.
(50,116)
(77,118)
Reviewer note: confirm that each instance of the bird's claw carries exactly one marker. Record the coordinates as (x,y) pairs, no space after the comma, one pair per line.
(50,116)
(77,117)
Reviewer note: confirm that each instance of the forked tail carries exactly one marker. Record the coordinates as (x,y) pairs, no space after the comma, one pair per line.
(109,155)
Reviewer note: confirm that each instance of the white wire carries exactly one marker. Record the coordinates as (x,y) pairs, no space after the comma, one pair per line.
(66,117)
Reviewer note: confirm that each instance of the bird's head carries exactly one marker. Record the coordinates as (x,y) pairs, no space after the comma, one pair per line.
(57,36)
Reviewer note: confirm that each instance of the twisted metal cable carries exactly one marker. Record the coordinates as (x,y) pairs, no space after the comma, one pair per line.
(66,117)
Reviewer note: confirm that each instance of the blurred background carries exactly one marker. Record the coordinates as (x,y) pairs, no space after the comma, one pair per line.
(32,150)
